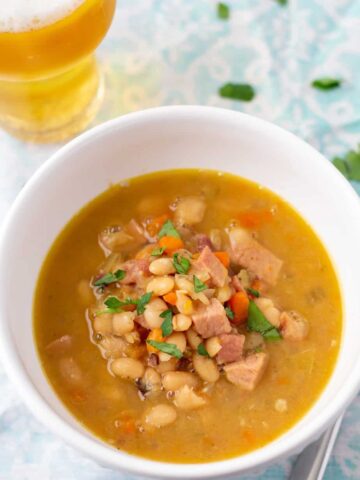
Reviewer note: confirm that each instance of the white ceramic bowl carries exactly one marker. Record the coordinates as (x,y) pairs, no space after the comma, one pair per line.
(158,139)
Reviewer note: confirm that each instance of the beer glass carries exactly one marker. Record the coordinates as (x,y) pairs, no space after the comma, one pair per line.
(50,86)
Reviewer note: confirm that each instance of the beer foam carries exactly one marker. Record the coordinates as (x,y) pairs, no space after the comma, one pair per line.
(24,15)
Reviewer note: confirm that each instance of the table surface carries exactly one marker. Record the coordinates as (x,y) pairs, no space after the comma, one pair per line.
(167,52)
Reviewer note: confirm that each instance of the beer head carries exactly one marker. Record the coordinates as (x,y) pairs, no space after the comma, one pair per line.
(25,15)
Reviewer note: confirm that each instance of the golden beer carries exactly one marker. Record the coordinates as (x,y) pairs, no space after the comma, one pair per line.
(49,82)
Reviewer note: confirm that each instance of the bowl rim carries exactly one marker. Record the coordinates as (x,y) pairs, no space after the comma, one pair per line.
(94,447)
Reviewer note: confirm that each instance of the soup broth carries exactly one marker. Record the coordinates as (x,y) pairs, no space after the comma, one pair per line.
(233,417)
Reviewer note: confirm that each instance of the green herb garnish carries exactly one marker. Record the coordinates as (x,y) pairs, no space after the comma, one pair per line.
(157,252)
(110,278)
(223,11)
(349,166)
(253,292)
(114,305)
(142,302)
(229,313)
(168,230)
(257,322)
(181,264)
(282,2)
(237,91)
(199,286)
(166,326)
(169,348)
(202,350)
(326,83)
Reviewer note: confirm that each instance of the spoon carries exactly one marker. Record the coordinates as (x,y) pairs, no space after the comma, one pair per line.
(312,462)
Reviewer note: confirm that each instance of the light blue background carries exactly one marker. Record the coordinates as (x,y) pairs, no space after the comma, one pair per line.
(162,52)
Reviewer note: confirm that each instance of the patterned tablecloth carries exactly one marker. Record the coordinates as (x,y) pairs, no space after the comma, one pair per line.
(161,52)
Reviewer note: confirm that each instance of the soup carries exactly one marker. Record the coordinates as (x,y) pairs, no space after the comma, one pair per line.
(188,316)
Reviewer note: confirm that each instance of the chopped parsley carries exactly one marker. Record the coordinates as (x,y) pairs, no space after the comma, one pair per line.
(169,348)
(157,252)
(326,83)
(109,278)
(253,292)
(229,313)
(223,11)
(199,286)
(168,230)
(114,305)
(142,302)
(237,91)
(257,322)
(181,264)
(202,350)
(282,2)
(349,165)
(166,326)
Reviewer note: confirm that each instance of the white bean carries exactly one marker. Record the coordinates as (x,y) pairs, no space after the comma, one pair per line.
(193,338)
(175,380)
(181,322)
(123,322)
(152,313)
(183,303)
(160,285)
(103,323)
(162,266)
(167,366)
(187,399)
(160,415)
(224,293)
(184,283)
(205,368)
(127,368)
(178,339)
(152,380)
(213,346)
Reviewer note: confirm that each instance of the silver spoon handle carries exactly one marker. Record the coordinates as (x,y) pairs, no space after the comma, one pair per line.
(311,463)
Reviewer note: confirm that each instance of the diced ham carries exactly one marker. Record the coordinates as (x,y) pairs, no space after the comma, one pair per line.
(211,320)
(249,253)
(135,270)
(293,326)
(247,373)
(202,241)
(231,347)
(60,345)
(210,263)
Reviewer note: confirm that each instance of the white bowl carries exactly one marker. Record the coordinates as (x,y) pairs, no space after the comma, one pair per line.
(158,139)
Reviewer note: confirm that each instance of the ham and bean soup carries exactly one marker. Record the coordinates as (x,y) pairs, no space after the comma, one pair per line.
(188,316)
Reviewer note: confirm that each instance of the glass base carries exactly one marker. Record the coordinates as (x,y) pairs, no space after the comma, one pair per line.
(53,109)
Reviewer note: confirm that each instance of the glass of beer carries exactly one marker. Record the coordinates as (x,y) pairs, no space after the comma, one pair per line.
(50,85)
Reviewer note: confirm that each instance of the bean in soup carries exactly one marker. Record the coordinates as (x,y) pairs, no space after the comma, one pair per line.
(179,315)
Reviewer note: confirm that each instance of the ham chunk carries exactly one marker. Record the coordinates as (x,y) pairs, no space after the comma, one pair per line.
(202,241)
(247,373)
(211,264)
(248,253)
(231,347)
(293,326)
(211,320)
(135,270)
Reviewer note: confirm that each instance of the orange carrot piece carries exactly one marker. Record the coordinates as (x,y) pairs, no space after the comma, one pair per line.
(155,224)
(155,334)
(239,304)
(255,218)
(257,285)
(170,298)
(223,257)
(171,244)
